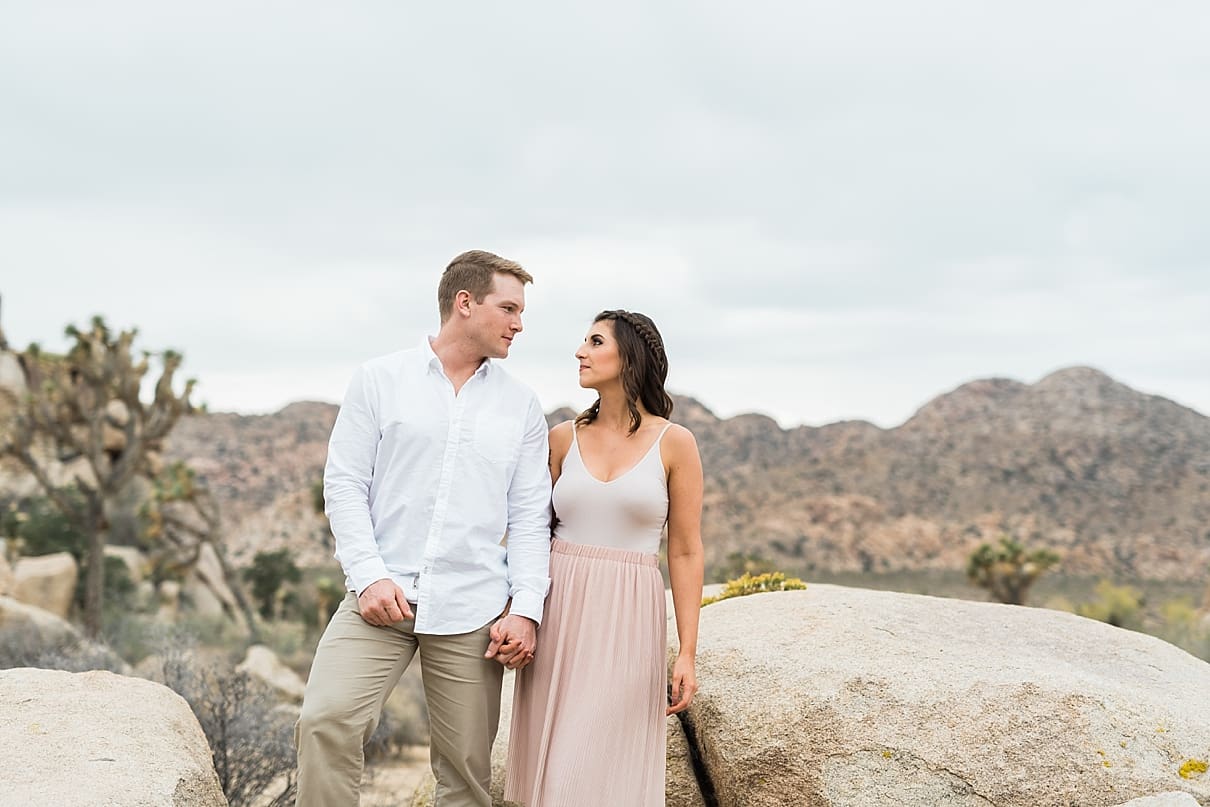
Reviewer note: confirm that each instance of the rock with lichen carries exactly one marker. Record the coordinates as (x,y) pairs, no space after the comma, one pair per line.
(1171,799)
(837,696)
(96,738)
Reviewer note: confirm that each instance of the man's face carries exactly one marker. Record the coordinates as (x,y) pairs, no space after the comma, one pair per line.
(497,320)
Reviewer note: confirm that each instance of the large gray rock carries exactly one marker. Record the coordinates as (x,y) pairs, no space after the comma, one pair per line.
(12,377)
(17,616)
(263,664)
(681,789)
(93,739)
(207,590)
(1173,799)
(47,581)
(201,598)
(137,565)
(168,596)
(845,697)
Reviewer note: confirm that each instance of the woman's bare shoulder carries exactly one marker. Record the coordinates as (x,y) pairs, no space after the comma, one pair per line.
(681,434)
(560,434)
(679,441)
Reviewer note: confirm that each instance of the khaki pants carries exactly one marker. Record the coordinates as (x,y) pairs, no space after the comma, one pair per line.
(356,666)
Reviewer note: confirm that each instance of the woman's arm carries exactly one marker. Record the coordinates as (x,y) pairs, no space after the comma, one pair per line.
(685,556)
(560,443)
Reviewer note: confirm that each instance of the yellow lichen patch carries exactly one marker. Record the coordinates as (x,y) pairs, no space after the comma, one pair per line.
(1107,763)
(1192,767)
(1122,743)
(887,754)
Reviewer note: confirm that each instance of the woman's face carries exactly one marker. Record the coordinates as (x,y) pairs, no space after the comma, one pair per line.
(600,359)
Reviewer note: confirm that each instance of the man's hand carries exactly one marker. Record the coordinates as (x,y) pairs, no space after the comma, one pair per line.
(382,603)
(514,641)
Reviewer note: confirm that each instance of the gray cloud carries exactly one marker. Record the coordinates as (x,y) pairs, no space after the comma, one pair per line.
(832,210)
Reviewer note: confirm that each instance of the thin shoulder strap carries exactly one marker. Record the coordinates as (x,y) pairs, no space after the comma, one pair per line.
(657,446)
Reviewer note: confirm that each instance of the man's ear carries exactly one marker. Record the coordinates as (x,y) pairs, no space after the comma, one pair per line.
(462,303)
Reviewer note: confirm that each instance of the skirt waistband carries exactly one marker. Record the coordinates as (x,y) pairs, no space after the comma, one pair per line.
(561,547)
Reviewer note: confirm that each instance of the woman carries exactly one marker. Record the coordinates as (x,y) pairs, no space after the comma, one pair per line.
(589,712)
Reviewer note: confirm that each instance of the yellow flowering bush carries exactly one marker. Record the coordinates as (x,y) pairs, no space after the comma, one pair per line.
(756,584)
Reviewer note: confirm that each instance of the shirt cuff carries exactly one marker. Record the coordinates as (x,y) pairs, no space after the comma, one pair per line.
(527,604)
(368,571)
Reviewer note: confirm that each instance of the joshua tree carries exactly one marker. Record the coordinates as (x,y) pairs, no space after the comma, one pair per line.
(84,415)
(1008,570)
(180,516)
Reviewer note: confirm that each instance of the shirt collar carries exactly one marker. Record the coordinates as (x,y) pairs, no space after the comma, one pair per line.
(434,363)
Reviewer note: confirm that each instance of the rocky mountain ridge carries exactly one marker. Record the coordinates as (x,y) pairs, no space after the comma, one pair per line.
(1116,480)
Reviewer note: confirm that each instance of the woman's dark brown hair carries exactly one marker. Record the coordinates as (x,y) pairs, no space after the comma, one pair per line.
(644,367)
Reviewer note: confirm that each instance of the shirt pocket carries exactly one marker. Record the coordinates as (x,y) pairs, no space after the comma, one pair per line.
(497,437)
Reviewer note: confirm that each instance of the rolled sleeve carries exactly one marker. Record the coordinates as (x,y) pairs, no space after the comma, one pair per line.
(529,517)
(347,476)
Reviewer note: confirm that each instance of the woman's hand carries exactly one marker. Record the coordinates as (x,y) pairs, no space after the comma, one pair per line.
(513,641)
(684,684)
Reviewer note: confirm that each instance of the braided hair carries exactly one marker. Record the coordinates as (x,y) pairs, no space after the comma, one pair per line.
(644,367)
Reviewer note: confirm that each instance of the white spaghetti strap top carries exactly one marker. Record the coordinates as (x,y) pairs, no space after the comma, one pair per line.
(627,512)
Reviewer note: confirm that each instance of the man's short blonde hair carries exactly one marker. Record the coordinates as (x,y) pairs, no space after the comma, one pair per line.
(475,272)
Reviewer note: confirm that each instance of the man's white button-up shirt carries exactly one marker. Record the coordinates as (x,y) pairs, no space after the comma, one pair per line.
(423,486)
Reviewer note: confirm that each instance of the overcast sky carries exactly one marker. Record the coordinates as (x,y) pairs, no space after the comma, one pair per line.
(832,210)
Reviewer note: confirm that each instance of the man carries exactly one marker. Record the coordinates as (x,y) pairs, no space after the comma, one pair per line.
(436,455)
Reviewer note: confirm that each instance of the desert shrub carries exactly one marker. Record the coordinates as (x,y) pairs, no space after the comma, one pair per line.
(383,742)
(288,640)
(39,528)
(328,594)
(212,630)
(404,720)
(1182,624)
(43,529)
(738,564)
(408,707)
(748,584)
(119,588)
(132,636)
(269,572)
(23,646)
(250,735)
(1060,602)
(317,494)
(1120,606)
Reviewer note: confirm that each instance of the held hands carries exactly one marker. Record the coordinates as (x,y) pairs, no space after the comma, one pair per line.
(382,603)
(684,685)
(514,641)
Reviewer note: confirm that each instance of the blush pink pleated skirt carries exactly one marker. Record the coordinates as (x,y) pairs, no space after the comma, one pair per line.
(588,723)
